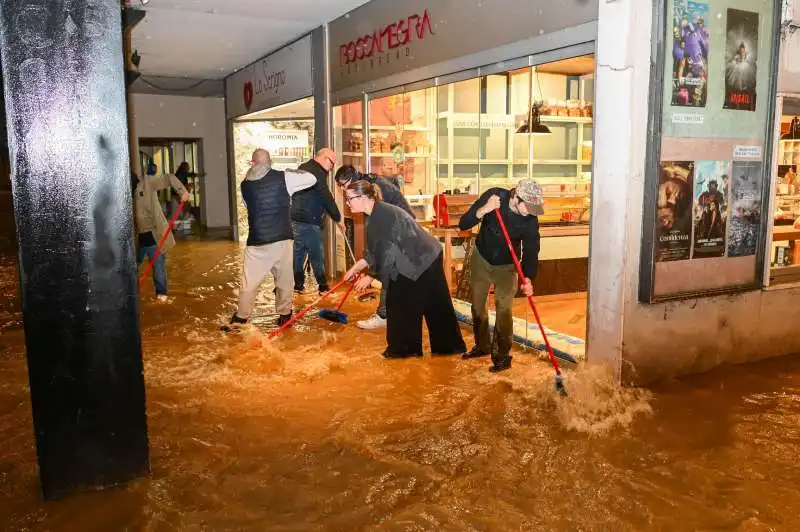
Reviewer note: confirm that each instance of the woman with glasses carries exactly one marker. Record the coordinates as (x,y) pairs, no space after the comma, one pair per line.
(408,261)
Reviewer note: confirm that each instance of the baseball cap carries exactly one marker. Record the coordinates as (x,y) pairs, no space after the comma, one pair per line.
(530,192)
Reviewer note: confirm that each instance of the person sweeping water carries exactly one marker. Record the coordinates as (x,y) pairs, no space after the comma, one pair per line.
(492,262)
(408,261)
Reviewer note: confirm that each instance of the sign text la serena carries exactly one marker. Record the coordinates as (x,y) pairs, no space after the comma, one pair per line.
(390,37)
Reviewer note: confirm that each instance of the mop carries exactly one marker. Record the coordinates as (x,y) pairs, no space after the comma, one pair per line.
(559,378)
(305,311)
(152,261)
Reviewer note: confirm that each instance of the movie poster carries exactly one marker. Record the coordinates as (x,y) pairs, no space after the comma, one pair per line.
(711,181)
(745,217)
(674,220)
(741,58)
(690,43)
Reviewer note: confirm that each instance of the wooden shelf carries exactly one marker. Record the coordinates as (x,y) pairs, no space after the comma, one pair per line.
(404,127)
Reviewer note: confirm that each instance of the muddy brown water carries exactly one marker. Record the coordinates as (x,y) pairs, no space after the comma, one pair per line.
(317,432)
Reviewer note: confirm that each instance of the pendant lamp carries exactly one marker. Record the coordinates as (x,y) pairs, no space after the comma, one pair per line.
(533,125)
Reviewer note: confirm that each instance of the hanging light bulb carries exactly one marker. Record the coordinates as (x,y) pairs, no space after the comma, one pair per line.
(533,125)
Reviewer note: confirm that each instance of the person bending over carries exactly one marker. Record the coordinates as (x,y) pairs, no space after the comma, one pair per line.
(391,195)
(408,261)
(491,262)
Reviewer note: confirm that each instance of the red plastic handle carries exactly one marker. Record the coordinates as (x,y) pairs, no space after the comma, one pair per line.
(305,311)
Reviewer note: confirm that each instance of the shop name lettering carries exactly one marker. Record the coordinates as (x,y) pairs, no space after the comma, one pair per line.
(391,37)
(271,82)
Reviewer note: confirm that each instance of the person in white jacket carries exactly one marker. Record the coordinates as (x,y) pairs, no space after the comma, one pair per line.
(151,224)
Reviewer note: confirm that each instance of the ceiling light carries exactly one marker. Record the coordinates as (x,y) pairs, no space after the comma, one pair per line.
(144,2)
(533,125)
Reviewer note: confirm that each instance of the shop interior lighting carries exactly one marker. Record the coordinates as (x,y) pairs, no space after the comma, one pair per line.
(533,125)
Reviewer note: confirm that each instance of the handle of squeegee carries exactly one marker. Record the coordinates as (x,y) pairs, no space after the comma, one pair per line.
(305,311)
(530,298)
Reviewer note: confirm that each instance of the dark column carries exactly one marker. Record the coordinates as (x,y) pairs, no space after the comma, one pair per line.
(65,105)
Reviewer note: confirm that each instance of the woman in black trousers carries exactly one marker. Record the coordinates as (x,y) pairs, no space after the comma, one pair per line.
(408,261)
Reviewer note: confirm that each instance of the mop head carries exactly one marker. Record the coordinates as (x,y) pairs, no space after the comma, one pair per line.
(336,316)
(560,388)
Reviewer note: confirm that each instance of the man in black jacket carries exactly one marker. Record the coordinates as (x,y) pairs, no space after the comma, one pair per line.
(391,195)
(308,210)
(491,262)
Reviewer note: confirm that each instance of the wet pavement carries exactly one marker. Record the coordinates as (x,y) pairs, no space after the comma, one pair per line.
(316,431)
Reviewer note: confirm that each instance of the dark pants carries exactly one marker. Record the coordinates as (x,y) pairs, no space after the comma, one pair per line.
(308,243)
(504,279)
(407,302)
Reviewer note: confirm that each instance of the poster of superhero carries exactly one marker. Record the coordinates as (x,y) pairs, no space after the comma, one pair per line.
(674,220)
(690,46)
(711,183)
(745,217)
(741,60)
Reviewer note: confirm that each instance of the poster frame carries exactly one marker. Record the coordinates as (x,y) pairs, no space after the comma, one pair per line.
(658,54)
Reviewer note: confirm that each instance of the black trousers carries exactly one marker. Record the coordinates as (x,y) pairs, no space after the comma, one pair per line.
(407,302)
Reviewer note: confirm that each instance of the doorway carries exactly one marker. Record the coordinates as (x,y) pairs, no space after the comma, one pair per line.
(183,158)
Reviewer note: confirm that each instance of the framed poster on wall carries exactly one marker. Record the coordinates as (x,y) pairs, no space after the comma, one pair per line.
(704,228)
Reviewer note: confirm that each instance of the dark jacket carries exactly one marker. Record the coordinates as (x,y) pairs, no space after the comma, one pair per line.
(397,244)
(309,205)
(268,203)
(391,194)
(492,244)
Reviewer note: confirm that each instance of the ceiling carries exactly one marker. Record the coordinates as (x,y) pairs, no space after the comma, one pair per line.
(210,39)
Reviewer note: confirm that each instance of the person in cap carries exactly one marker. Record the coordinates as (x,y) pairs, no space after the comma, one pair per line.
(492,264)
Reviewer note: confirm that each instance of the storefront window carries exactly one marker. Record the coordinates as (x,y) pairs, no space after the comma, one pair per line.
(785,252)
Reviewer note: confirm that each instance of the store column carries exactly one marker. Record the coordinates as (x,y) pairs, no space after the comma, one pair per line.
(65,104)
(620,144)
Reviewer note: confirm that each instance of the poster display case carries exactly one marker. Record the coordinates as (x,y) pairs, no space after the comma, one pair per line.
(704,228)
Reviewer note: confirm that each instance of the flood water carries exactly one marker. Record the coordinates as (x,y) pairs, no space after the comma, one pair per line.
(317,432)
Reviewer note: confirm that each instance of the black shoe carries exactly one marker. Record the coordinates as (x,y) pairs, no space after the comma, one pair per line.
(235,321)
(396,356)
(475,353)
(283,319)
(323,289)
(299,291)
(449,353)
(501,365)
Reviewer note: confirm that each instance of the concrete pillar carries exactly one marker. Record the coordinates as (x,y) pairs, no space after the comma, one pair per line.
(620,143)
(65,102)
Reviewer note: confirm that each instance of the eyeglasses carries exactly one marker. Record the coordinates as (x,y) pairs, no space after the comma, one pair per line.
(351,198)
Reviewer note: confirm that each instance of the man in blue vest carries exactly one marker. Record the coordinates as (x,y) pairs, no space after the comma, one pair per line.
(268,196)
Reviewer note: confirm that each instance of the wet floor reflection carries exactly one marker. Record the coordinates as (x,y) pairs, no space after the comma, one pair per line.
(316,431)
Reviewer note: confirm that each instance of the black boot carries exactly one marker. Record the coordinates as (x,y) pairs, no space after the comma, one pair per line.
(397,356)
(236,321)
(501,364)
(283,319)
(475,353)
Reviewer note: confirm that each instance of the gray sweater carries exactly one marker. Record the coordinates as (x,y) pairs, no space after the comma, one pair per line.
(397,245)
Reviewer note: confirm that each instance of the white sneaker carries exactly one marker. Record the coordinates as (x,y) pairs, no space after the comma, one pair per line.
(162,298)
(375,322)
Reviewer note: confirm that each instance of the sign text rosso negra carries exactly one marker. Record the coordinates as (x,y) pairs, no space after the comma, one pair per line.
(395,34)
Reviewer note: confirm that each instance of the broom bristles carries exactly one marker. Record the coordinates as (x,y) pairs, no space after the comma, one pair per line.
(333,315)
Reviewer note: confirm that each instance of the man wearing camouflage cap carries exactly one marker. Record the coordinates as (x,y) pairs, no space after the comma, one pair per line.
(491,262)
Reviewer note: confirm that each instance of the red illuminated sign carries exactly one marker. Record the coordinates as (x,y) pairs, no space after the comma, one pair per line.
(394,35)
(248,94)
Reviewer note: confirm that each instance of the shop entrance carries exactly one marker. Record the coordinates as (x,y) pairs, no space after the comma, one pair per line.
(785,249)
(181,157)
(286,131)
(456,140)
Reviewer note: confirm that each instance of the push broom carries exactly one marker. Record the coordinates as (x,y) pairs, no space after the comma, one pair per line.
(305,311)
(337,315)
(559,378)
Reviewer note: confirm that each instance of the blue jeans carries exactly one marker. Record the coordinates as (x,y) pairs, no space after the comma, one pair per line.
(308,243)
(159,272)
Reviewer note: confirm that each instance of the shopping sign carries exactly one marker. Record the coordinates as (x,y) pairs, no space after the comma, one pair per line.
(390,37)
